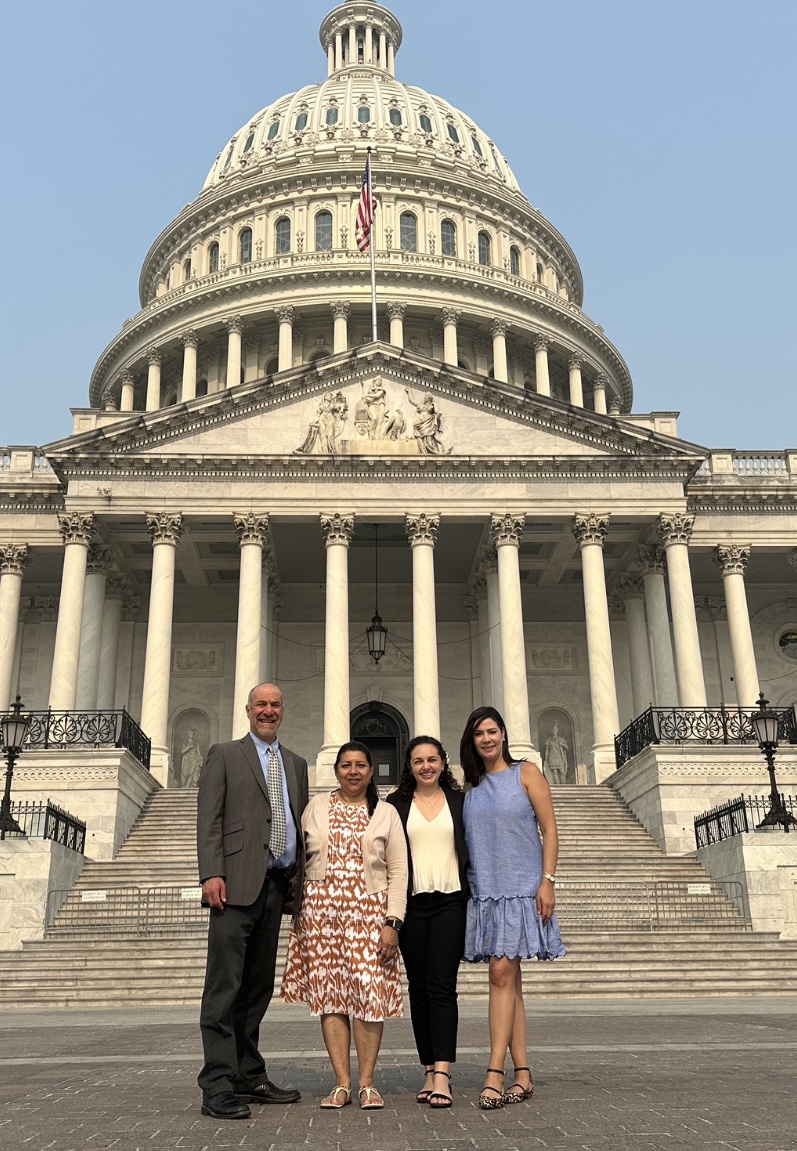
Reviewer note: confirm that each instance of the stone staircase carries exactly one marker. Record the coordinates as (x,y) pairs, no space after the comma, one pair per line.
(635,922)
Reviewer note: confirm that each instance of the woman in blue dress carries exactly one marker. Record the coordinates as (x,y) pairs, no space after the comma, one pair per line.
(512,873)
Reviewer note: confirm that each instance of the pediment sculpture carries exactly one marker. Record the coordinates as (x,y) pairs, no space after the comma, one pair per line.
(382,419)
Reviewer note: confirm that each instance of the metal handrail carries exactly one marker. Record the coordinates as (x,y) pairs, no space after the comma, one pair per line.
(695,725)
(46,821)
(57,730)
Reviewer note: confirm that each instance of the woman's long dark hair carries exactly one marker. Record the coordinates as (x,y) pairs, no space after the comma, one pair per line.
(469,758)
(407,781)
(371,794)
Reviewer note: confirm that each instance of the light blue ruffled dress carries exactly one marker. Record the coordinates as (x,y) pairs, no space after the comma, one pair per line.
(505,871)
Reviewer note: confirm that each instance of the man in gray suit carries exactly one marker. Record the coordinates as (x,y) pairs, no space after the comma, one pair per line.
(252,793)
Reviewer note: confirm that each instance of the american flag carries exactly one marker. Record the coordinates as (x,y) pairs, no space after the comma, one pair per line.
(365,209)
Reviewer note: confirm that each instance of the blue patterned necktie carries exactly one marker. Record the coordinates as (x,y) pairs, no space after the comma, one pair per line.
(279,828)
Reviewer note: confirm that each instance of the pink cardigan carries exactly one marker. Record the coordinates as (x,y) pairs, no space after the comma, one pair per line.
(384,851)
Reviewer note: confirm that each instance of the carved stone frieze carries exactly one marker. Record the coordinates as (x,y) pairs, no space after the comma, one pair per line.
(14,558)
(731,559)
(675,528)
(77,528)
(422,528)
(165,528)
(380,414)
(198,659)
(337,528)
(507,529)
(550,658)
(251,528)
(590,528)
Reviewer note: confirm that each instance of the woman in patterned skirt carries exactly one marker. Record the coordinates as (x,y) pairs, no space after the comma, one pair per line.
(343,949)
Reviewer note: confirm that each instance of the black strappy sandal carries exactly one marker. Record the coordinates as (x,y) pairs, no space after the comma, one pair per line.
(423,1096)
(486,1102)
(439,1099)
(517,1092)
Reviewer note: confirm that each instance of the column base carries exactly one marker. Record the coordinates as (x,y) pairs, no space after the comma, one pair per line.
(161,766)
(325,766)
(603,763)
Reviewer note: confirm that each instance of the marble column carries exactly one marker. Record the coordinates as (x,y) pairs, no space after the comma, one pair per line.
(234,326)
(382,49)
(116,591)
(340,336)
(651,560)
(674,532)
(338,49)
(330,56)
(369,44)
(98,564)
(391,60)
(507,532)
(154,362)
(576,387)
(498,330)
(190,344)
(352,53)
(285,353)
(422,532)
(165,530)
(265,618)
(128,395)
(76,532)
(489,569)
(479,593)
(338,530)
(541,366)
(632,589)
(396,315)
(599,393)
(590,532)
(450,318)
(472,612)
(732,561)
(252,532)
(14,558)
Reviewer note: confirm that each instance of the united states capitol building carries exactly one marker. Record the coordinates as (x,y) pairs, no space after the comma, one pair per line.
(254,478)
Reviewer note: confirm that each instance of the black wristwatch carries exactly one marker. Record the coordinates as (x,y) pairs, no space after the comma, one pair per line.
(393,922)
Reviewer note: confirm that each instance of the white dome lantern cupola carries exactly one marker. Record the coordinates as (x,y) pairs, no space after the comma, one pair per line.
(360,35)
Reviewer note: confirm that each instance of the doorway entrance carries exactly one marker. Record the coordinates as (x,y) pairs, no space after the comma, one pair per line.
(385,733)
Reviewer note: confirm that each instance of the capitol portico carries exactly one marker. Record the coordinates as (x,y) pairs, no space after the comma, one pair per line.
(253,471)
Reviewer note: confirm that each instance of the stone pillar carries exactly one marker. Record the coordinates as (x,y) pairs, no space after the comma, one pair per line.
(391,65)
(190,345)
(422,531)
(576,388)
(252,532)
(450,317)
(599,392)
(352,54)
(732,561)
(489,568)
(369,44)
(14,558)
(76,532)
(339,49)
(154,361)
(541,366)
(396,314)
(340,336)
(330,56)
(235,328)
(128,396)
(338,530)
(165,531)
(472,612)
(507,532)
(116,591)
(632,589)
(285,353)
(651,559)
(498,330)
(590,531)
(382,49)
(97,565)
(674,532)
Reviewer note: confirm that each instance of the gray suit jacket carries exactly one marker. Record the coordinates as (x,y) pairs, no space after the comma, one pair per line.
(234,818)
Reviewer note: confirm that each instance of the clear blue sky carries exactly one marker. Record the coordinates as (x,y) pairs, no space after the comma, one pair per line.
(657,135)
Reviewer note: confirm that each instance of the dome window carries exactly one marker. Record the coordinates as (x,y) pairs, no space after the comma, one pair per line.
(477,148)
(213,257)
(250,139)
(187,269)
(495,161)
(201,388)
(273,130)
(540,271)
(485,249)
(395,117)
(514,261)
(229,157)
(408,232)
(245,246)
(301,122)
(363,114)
(323,232)
(331,117)
(453,133)
(282,236)
(426,123)
(448,238)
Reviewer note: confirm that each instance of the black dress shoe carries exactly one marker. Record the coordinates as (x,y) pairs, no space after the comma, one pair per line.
(267,1092)
(225,1105)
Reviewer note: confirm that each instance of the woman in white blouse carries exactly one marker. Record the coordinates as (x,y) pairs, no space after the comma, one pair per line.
(429,803)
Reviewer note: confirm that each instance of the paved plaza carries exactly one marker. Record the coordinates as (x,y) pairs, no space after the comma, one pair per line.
(713,1074)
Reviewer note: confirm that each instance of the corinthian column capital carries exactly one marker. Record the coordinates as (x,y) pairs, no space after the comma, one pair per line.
(14,558)
(450,315)
(77,528)
(340,309)
(651,559)
(190,339)
(540,344)
(675,528)
(251,528)
(396,311)
(499,327)
(590,528)
(165,528)
(337,528)
(630,585)
(154,357)
(286,313)
(507,529)
(731,559)
(234,324)
(422,528)
(98,561)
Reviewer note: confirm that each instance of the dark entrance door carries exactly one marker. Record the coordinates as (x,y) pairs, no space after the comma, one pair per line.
(384,732)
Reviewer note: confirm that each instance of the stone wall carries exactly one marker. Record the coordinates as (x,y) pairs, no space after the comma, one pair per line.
(29,870)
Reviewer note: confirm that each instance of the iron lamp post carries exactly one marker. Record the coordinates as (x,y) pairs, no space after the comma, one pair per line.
(765,726)
(13,730)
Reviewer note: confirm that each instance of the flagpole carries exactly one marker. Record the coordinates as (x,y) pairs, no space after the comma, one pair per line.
(373,247)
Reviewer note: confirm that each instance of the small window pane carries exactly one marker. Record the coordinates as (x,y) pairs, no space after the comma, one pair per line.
(448,238)
(323,232)
(332,116)
(476,146)
(453,133)
(246,245)
(275,127)
(229,157)
(363,114)
(395,117)
(426,124)
(514,261)
(187,269)
(484,249)
(283,235)
(213,258)
(408,229)
(250,139)
(495,161)
(301,122)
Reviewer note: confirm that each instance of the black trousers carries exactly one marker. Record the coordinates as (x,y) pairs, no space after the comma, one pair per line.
(432,941)
(239,983)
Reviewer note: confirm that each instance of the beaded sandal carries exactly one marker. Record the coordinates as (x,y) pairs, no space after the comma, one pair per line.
(517,1092)
(486,1102)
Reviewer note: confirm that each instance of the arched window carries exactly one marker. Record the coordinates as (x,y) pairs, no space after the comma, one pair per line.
(272,366)
(485,249)
(245,246)
(363,114)
(426,123)
(448,238)
(228,161)
(395,117)
(323,232)
(331,117)
(301,122)
(250,139)
(282,236)
(274,128)
(453,133)
(408,232)
(476,146)
(187,269)
(539,271)
(213,257)
(514,261)
(201,388)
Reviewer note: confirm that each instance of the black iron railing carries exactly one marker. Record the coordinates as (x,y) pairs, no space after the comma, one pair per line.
(736,816)
(695,725)
(63,729)
(46,821)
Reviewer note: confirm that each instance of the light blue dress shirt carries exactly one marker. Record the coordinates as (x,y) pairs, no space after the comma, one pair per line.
(288,857)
